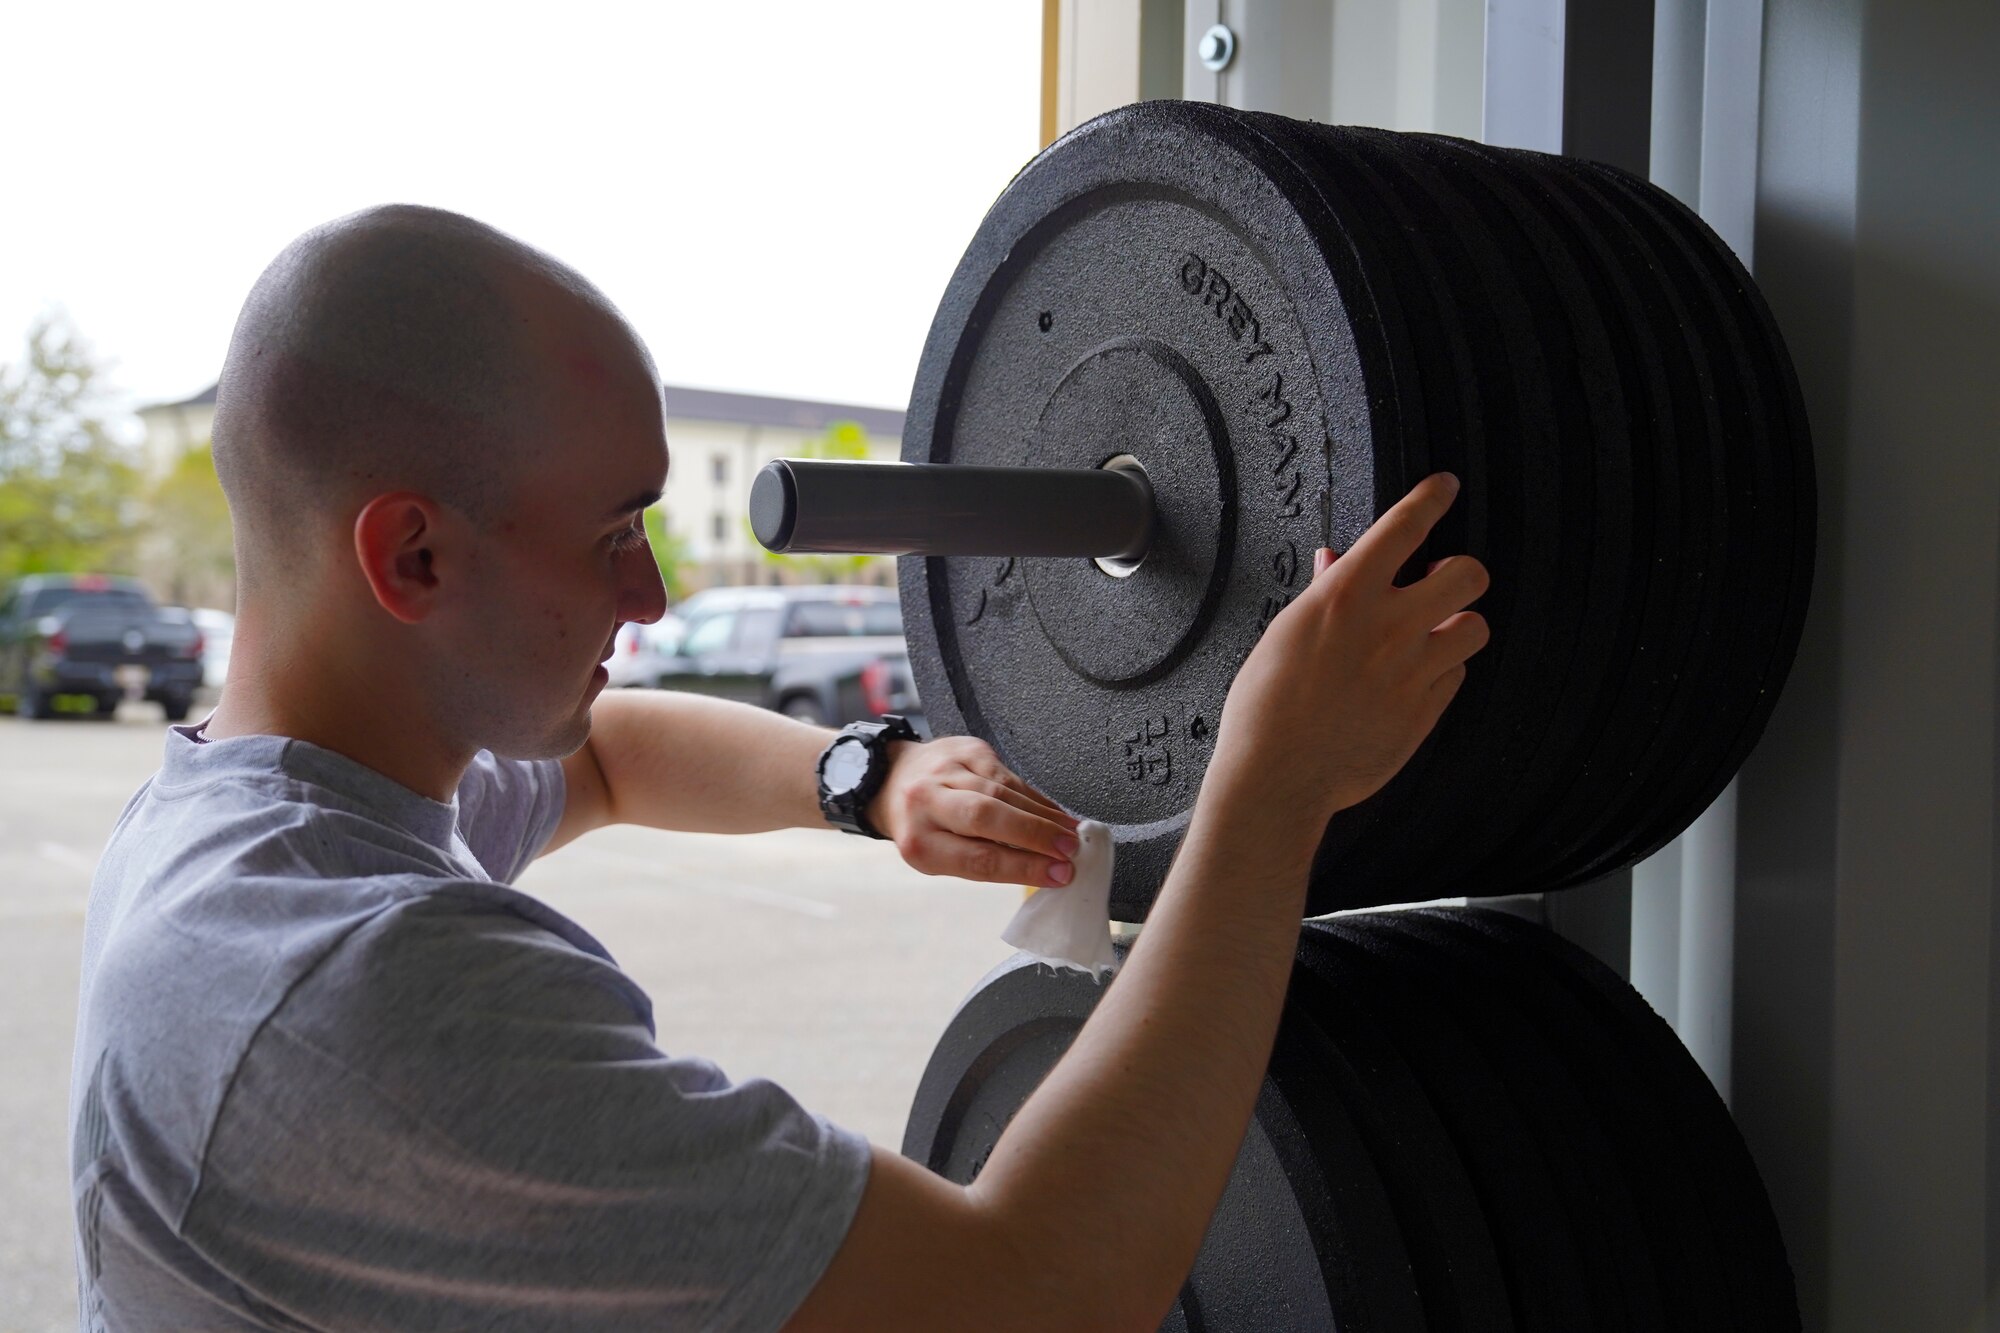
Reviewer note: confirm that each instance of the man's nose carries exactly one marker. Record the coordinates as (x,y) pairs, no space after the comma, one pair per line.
(642,593)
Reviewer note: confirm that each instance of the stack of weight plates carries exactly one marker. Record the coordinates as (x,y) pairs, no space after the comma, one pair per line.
(1468,1124)
(1288,325)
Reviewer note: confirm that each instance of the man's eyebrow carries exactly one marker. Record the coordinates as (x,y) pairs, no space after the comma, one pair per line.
(643,500)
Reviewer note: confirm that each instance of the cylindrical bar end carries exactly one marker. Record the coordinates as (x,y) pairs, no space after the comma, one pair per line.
(774,505)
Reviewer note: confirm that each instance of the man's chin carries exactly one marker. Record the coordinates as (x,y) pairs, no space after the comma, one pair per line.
(560,742)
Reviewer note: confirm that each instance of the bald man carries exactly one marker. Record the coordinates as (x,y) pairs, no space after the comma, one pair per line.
(332,1073)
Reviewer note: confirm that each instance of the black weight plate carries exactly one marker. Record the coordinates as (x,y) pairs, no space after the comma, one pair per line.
(1303,1236)
(1237,355)
(1403,859)
(1774,391)
(1690,463)
(1367,1270)
(1531,1233)
(1437,1210)
(1504,729)
(1597,503)
(1583,1167)
(1628,759)
(1770,502)
(1603,766)
(1373,846)
(1708,673)
(1748,607)
(1738,1211)
(1432,372)
(1650,1151)
(1593,565)
(1428,429)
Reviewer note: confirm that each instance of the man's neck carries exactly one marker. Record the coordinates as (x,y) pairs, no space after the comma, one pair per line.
(335,705)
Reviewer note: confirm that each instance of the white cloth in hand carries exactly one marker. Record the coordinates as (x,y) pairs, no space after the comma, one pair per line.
(1071,926)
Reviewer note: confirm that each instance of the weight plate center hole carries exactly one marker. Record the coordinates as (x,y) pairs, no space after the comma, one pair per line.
(1111,564)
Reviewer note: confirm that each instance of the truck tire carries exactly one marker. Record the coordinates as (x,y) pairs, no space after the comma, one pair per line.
(804,708)
(177,706)
(31,702)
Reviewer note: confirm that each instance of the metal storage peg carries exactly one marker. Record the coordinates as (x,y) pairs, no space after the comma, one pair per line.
(1103,513)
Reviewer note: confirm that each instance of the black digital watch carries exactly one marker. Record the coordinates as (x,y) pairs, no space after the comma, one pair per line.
(851,770)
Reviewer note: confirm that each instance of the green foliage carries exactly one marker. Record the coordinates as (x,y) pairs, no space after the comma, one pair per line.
(671,551)
(69,490)
(843,441)
(195,560)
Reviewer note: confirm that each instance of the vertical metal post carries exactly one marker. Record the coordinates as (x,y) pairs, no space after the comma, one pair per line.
(1607,80)
(1658,944)
(1524,74)
(1732,88)
(1284,54)
(1679,28)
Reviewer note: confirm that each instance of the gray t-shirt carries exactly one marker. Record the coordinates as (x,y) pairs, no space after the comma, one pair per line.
(331,1074)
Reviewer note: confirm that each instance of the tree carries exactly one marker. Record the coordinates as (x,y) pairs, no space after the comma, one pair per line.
(69,489)
(670,550)
(190,546)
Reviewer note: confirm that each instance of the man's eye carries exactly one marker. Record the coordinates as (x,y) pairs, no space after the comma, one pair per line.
(628,539)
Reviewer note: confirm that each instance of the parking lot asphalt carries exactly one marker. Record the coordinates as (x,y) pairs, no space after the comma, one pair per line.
(810,958)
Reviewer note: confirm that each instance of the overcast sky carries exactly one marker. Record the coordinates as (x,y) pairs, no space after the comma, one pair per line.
(775,192)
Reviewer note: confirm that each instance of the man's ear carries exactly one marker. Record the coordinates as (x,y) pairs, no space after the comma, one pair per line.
(395,540)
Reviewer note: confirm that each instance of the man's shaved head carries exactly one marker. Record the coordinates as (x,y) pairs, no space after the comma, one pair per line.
(399,348)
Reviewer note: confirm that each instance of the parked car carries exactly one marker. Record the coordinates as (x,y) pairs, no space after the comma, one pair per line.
(641,652)
(94,637)
(825,654)
(218,632)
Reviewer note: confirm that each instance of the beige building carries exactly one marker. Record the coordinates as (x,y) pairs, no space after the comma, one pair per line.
(174,428)
(718,442)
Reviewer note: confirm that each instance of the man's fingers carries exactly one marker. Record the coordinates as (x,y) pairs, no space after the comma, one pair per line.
(1457,639)
(942,852)
(986,765)
(1396,535)
(1000,783)
(1023,799)
(1443,690)
(982,815)
(1453,584)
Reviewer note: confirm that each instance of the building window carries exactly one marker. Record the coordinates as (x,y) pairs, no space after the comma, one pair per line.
(720,527)
(719,468)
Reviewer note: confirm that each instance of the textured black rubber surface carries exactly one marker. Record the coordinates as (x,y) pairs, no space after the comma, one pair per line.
(1467,1126)
(1303,1237)
(1289,324)
(1736,1212)
(1651,1156)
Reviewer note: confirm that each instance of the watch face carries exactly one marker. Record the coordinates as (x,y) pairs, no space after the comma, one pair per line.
(846,764)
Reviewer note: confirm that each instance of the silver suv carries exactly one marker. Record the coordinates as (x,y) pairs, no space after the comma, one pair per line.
(826,654)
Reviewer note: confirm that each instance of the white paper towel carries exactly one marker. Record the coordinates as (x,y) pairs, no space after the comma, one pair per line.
(1071,926)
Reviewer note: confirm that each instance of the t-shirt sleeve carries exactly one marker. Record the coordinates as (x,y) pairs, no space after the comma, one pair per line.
(460,1120)
(508,810)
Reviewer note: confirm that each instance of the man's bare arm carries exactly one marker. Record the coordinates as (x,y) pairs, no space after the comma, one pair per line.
(1090,1210)
(681,761)
(671,760)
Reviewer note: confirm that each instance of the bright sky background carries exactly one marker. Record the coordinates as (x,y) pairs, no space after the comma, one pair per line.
(774,191)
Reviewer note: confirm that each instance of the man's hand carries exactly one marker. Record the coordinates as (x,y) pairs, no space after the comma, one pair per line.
(1350,678)
(952,808)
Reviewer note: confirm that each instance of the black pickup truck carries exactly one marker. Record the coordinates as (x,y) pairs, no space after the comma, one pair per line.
(94,639)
